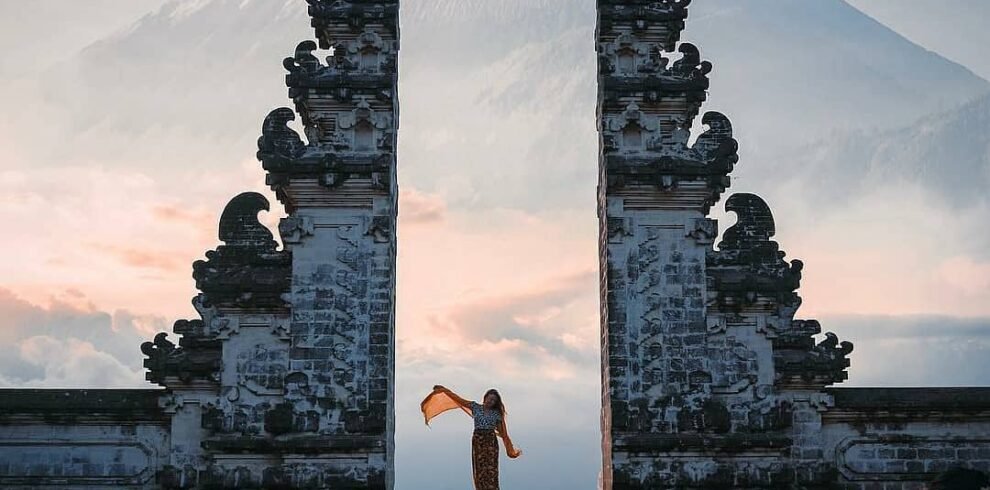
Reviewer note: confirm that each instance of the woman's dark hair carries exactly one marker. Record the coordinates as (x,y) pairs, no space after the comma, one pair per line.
(498,400)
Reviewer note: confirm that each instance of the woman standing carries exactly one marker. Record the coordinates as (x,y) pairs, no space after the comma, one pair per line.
(489,422)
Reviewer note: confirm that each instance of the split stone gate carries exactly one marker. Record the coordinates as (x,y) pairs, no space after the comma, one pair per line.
(286,380)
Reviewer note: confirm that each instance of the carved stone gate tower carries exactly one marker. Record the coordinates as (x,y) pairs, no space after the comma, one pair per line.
(287,380)
(301,340)
(708,381)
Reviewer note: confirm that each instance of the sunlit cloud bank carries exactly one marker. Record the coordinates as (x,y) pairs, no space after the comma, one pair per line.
(70,343)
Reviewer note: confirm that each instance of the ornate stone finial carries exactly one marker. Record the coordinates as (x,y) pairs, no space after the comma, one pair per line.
(303,61)
(279,143)
(158,349)
(239,224)
(748,264)
(799,362)
(834,352)
(755,225)
(159,353)
(247,271)
(716,145)
(690,63)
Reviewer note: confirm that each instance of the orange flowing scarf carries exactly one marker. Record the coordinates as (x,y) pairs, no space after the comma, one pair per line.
(439,402)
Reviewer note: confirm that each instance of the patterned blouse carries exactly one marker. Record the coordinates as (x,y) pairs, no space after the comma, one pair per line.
(484,419)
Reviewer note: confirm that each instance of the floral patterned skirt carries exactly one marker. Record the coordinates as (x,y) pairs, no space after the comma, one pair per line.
(484,459)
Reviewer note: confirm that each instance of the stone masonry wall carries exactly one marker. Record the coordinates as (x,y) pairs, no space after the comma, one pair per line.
(903,439)
(657,297)
(76,439)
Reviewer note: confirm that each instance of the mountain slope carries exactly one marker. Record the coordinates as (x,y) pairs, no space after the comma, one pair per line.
(786,71)
(955,29)
(948,153)
(192,82)
(67,27)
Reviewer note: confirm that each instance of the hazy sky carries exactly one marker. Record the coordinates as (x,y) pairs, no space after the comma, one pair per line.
(129,124)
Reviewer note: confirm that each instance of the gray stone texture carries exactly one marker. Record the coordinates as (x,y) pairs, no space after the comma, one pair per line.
(708,379)
(286,379)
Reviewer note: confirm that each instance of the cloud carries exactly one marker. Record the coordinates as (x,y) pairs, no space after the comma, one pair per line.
(417,207)
(93,228)
(179,214)
(548,329)
(70,344)
(142,258)
(892,250)
(967,276)
(77,364)
(68,23)
(521,314)
(942,350)
(946,153)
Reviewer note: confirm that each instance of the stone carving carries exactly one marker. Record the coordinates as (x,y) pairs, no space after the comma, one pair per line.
(639,151)
(303,61)
(380,229)
(716,146)
(704,231)
(115,462)
(634,131)
(823,365)
(195,359)
(159,354)
(355,14)
(627,56)
(352,62)
(619,228)
(171,403)
(748,263)
(359,146)
(224,327)
(247,269)
(239,225)
(294,229)
(368,129)
(643,9)
(865,459)
(663,18)
(748,273)
(261,369)
(279,143)
(366,54)
(690,64)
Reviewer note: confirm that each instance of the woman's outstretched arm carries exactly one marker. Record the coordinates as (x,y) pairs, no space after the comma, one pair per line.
(464,403)
(510,450)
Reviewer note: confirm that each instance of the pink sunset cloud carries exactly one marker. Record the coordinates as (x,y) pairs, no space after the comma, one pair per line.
(416,207)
